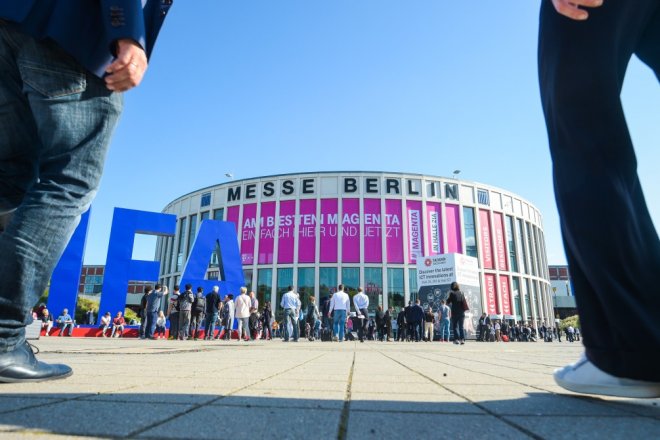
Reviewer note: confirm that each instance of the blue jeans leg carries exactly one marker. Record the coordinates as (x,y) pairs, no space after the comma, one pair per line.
(56,123)
(340,323)
(209,325)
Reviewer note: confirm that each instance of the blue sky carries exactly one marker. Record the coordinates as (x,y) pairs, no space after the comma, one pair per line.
(426,86)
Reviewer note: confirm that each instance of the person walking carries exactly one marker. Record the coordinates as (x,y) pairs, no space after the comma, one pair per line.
(429,321)
(290,304)
(444,315)
(361,303)
(213,308)
(340,304)
(243,303)
(458,307)
(584,49)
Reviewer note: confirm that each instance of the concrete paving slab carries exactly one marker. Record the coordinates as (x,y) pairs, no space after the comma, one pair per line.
(415,403)
(588,428)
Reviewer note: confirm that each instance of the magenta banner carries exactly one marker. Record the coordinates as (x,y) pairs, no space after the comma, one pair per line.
(415,235)
(373,241)
(498,226)
(267,233)
(286,231)
(453,226)
(434,228)
(307,231)
(248,233)
(393,231)
(506,296)
(233,213)
(491,294)
(486,241)
(329,230)
(350,231)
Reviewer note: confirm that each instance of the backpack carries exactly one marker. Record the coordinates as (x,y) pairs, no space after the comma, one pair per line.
(183,298)
(200,305)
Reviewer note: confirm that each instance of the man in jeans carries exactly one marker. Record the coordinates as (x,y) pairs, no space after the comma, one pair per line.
(341,305)
(62,68)
(290,303)
(361,303)
(185,307)
(213,307)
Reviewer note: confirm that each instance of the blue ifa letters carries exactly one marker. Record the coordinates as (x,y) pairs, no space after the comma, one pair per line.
(121,267)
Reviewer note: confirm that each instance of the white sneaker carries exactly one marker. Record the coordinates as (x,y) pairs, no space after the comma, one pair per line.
(584,377)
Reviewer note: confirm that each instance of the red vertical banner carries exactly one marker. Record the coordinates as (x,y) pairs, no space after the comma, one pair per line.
(486,240)
(393,231)
(286,229)
(415,228)
(329,230)
(491,294)
(248,233)
(498,226)
(434,228)
(350,230)
(307,231)
(506,295)
(453,216)
(267,233)
(373,227)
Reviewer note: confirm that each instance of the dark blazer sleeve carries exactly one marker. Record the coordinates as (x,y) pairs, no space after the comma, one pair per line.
(123,19)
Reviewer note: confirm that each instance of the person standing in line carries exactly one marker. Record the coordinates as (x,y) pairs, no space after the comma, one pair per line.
(63,65)
(429,320)
(185,307)
(173,312)
(417,316)
(484,323)
(379,318)
(153,306)
(267,320)
(325,312)
(290,305)
(229,310)
(197,313)
(312,317)
(388,323)
(254,316)
(242,304)
(584,49)
(402,324)
(361,303)
(142,312)
(458,307)
(340,304)
(444,315)
(213,308)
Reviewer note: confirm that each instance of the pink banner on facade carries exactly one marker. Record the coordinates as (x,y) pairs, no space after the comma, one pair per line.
(415,228)
(506,295)
(373,229)
(267,233)
(393,231)
(233,214)
(434,228)
(498,226)
(350,230)
(248,232)
(329,230)
(286,231)
(307,231)
(486,240)
(453,226)
(491,294)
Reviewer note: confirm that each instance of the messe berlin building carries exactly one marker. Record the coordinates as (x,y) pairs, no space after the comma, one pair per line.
(316,230)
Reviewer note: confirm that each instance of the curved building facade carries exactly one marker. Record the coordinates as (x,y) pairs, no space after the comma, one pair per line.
(316,230)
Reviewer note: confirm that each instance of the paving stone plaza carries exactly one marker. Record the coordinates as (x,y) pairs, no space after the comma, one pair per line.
(125,388)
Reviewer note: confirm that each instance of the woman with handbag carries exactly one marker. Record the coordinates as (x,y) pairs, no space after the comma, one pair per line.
(459,306)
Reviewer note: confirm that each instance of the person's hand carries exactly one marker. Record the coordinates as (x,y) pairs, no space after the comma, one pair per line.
(128,69)
(572,8)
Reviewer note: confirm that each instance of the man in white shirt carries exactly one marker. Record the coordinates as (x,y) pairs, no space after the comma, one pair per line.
(243,303)
(361,303)
(290,303)
(341,305)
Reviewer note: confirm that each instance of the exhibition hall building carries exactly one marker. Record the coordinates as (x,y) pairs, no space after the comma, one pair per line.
(364,229)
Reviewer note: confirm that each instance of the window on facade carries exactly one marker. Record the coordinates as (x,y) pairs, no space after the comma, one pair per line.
(528,303)
(373,286)
(412,284)
(521,242)
(350,278)
(482,197)
(395,288)
(516,297)
(530,248)
(284,280)
(264,286)
(205,199)
(470,232)
(247,281)
(510,234)
(327,281)
(306,285)
(182,240)
(192,232)
(204,216)
(213,275)
(218,214)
